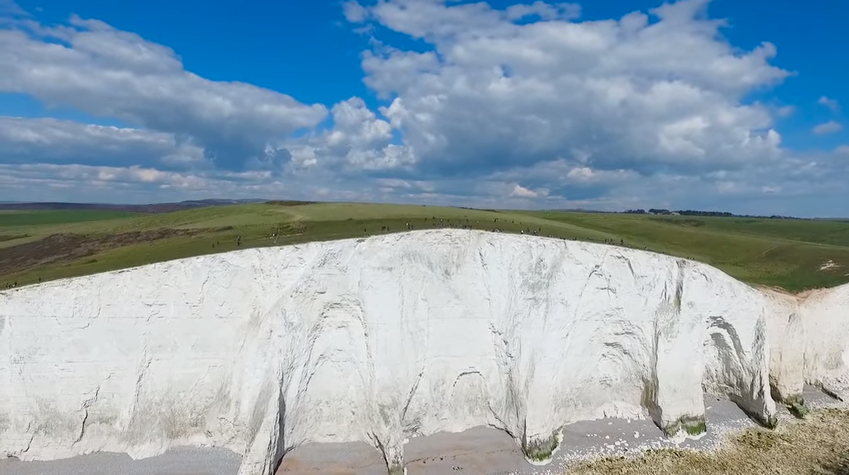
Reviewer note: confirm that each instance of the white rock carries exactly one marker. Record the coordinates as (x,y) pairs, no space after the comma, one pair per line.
(811,341)
(380,339)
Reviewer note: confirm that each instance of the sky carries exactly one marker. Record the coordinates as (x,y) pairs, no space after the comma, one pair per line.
(607,105)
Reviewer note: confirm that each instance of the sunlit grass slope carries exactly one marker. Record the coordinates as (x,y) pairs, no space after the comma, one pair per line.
(792,254)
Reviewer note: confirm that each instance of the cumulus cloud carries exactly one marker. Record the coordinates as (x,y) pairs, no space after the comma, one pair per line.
(53,182)
(494,92)
(830,103)
(11,8)
(98,69)
(544,11)
(60,141)
(829,127)
(354,12)
(805,187)
(522,192)
(359,141)
(785,111)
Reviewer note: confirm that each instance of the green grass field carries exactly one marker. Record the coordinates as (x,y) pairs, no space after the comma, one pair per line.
(791,254)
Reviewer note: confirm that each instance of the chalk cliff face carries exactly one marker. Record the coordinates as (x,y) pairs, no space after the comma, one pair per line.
(389,337)
(810,342)
(825,314)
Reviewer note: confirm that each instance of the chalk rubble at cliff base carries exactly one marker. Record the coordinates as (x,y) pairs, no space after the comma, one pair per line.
(396,336)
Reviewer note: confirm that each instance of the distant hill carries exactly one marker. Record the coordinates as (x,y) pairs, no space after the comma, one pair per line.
(133,208)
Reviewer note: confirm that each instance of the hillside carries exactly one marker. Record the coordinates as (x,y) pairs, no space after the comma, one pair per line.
(44,245)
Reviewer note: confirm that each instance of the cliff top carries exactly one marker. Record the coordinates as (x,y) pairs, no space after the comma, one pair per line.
(40,245)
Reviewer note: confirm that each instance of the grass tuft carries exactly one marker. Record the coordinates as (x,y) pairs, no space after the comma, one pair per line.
(798,409)
(696,428)
(542,450)
(691,425)
(817,445)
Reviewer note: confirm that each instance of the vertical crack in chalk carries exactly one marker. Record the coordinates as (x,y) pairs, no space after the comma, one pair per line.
(86,405)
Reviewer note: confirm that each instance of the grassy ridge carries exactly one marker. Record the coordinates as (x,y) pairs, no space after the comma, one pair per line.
(782,253)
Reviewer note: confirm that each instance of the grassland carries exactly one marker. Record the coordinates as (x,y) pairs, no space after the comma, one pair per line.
(818,445)
(34,218)
(43,245)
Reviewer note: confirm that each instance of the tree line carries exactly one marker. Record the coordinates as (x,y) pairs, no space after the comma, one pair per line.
(691,212)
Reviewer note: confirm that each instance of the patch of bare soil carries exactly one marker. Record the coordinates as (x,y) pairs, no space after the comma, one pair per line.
(819,445)
(9,237)
(829,264)
(68,247)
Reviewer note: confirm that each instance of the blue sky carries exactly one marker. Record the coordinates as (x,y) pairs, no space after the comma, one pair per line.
(714,105)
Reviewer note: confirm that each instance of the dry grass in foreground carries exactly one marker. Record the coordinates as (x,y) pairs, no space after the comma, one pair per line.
(818,445)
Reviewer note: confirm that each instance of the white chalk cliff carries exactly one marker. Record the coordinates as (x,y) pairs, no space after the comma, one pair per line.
(809,337)
(395,336)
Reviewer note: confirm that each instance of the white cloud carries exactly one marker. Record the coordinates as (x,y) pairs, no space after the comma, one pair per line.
(42,181)
(356,126)
(60,141)
(830,103)
(112,73)
(545,11)
(785,111)
(80,176)
(11,8)
(354,12)
(494,93)
(829,127)
(807,187)
(522,192)
(358,140)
